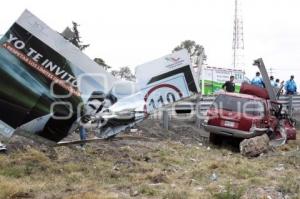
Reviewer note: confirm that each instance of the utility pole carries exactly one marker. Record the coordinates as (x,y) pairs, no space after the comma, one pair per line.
(238,36)
(200,76)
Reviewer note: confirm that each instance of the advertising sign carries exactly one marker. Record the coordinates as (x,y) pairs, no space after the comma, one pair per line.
(214,78)
(169,78)
(39,67)
(170,65)
(161,82)
(166,91)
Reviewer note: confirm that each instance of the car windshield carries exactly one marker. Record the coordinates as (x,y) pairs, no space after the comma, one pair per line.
(239,104)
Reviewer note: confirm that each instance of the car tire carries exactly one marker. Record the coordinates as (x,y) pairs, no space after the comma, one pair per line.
(215,139)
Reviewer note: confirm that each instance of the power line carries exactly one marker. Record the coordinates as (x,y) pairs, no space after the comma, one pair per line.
(284,69)
(271,71)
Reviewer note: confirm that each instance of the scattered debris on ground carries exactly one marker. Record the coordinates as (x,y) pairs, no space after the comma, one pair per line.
(253,147)
(266,192)
(178,163)
(179,130)
(2,147)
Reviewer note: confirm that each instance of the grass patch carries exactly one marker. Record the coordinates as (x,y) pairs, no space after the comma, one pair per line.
(229,193)
(93,195)
(25,163)
(148,190)
(10,187)
(176,195)
(199,174)
(162,170)
(290,185)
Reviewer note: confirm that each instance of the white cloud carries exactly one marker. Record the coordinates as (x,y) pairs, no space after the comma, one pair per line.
(135,31)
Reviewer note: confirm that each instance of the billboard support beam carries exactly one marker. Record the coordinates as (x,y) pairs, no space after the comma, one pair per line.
(261,66)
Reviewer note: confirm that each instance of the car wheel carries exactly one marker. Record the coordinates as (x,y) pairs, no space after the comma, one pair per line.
(215,139)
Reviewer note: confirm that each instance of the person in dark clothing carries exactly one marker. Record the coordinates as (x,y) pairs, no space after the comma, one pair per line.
(229,85)
(272,81)
(277,83)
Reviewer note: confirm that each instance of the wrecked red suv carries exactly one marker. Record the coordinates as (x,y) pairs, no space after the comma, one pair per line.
(247,114)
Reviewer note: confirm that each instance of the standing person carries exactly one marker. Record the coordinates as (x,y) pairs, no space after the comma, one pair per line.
(229,85)
(290,86)
(82,134)
(277,83)
(273,83)
(257,80)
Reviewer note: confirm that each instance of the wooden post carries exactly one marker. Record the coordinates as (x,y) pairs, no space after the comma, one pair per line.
(198,112)
(165,119)
(290,109)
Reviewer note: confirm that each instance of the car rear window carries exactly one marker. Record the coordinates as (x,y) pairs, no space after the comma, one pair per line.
(238,104)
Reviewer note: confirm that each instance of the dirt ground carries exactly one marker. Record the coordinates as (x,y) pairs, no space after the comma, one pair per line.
(152,163)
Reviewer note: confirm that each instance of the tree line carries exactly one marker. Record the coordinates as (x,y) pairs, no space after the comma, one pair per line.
(73,35)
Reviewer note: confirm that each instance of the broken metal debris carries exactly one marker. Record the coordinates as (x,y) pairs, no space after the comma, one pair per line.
(95,100)
(110,107)
(2,147)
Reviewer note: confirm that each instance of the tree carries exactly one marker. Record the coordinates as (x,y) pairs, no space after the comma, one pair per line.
(115,73)
(193,48)
(76,39)
(123,73)
(102,63)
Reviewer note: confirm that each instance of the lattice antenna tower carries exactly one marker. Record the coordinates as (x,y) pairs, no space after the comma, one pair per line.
(238,36)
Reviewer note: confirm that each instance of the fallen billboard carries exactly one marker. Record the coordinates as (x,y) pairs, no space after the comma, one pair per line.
(171,76)
(49,88)
(42,73)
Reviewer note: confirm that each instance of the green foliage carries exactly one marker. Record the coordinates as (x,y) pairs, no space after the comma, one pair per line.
(194,49)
